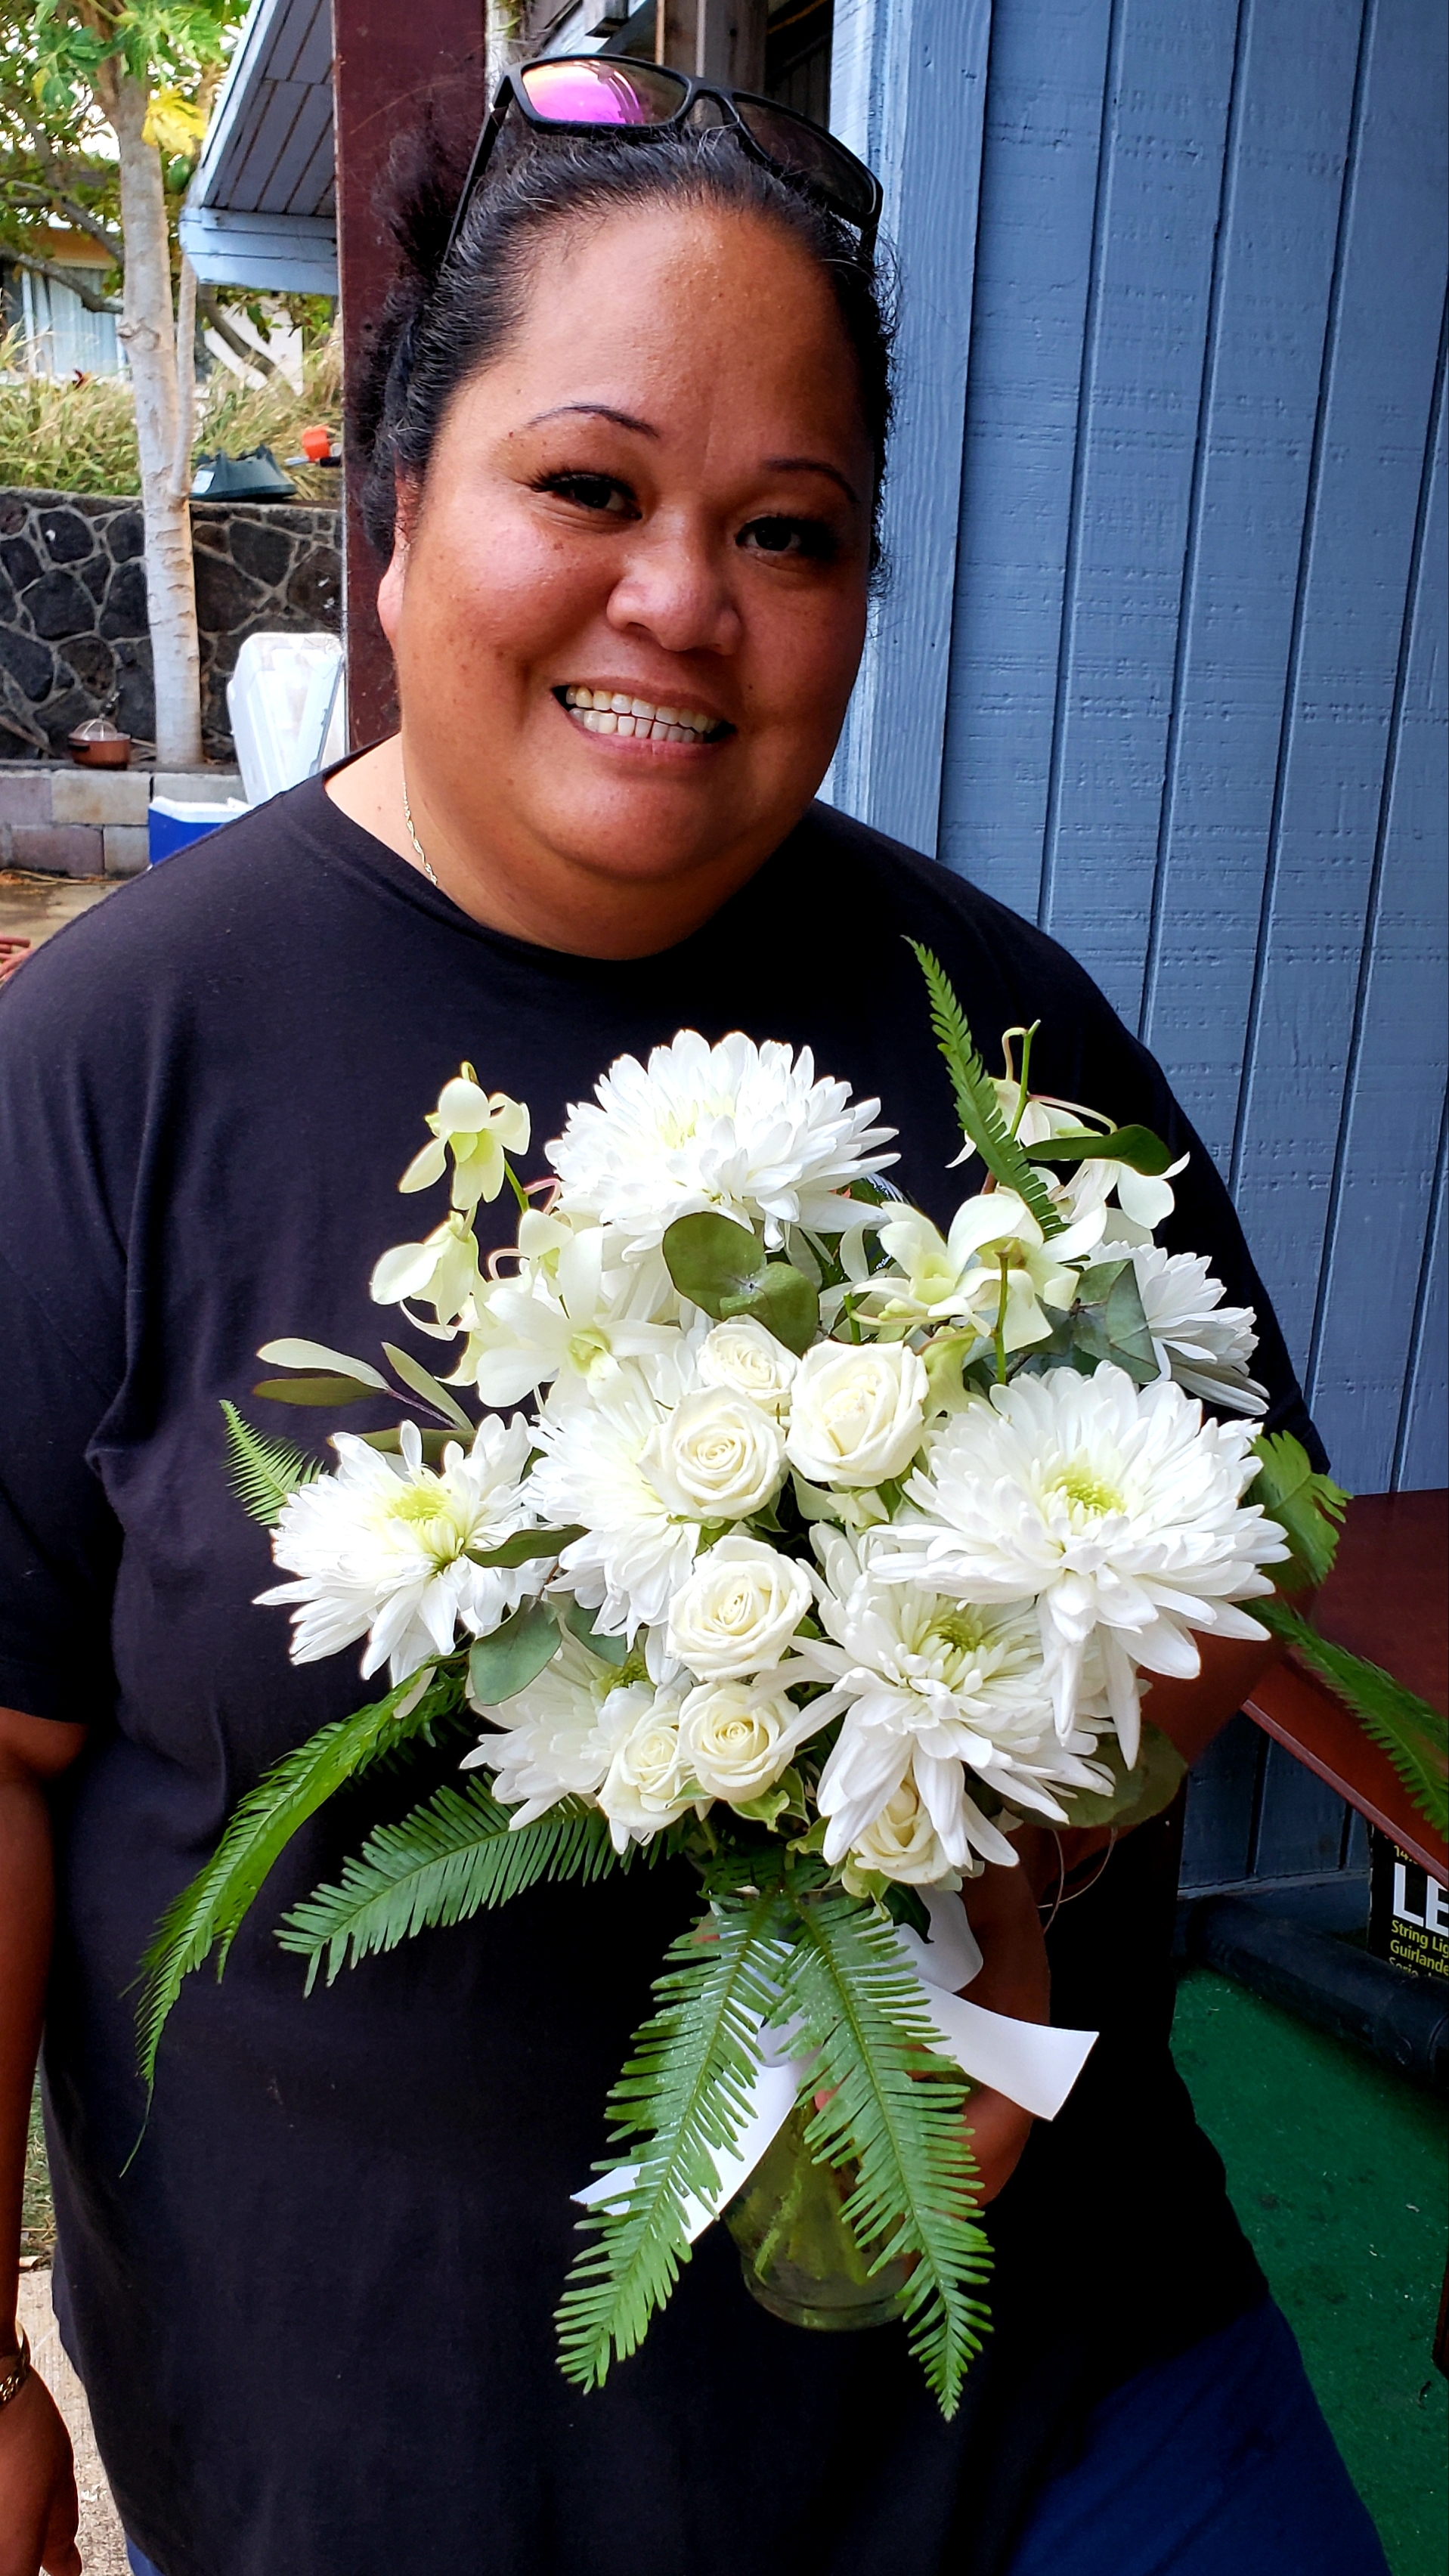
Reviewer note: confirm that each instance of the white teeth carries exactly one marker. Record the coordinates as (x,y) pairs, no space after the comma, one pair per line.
(666,715)
(607,723)
(641,707)
(622,706)
(626,725)
(602,711)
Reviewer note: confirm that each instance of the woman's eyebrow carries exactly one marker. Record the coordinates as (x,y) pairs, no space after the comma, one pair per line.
(811,465)
(599,411)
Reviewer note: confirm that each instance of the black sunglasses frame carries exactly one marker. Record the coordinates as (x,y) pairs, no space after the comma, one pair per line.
(511,93)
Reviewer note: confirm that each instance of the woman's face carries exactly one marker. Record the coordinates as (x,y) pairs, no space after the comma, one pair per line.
(628,606)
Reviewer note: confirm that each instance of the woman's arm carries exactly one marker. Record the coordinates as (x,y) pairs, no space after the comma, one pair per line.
(38,2507)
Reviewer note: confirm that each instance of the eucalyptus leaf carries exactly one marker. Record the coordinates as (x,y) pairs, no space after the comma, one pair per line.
(709,1258)
(1139,1794)
(525,1545)
(1108,1321)
(783,1300)
(423,1383)
(313,1390)
(502,1665)
(294,1354)
(1137,1147)
(580,1622)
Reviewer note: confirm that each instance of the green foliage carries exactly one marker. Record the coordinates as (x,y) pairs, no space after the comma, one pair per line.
(1108,1321)
(1137,1147)
(1139,1794)
(421,1381)
(723,1268)
(977,1105)
(207,1913)
(330,1388)
(165,44)
(1413,1735)
(1308,1506)
(264,1472)
(502,1665)
(895,2110)
(685,2092)
(446,1861)
(69,437)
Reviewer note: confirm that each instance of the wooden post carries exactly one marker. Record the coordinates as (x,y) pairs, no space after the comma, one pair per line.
(388,64)
(721,40)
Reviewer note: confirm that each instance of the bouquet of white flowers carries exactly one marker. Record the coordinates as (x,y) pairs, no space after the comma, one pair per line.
(801,1541)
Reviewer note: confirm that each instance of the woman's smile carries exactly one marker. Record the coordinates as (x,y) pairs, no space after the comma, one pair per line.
(618,715)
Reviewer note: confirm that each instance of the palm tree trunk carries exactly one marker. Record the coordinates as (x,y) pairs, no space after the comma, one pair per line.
(147,332)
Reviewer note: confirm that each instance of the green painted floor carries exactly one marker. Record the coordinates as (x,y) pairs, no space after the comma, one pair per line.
(1338,2171)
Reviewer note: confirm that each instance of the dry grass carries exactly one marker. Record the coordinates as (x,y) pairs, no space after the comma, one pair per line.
(69,437)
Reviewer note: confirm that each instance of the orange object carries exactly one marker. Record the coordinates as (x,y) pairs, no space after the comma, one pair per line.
(316,443)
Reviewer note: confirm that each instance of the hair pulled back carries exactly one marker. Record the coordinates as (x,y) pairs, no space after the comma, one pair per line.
(446,319)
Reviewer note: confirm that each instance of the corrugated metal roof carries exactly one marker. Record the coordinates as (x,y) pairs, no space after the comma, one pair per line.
(261,209)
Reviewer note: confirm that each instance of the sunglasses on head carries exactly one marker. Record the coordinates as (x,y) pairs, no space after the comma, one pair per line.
(616,100)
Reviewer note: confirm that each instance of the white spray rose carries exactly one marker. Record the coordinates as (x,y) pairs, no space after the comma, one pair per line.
(902,1843)
(748,1360)
(717,1457)
(737,1737)
(647,1783)
(739,1610)
(857,1415)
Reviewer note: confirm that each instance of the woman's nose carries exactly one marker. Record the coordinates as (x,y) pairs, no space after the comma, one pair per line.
(676,588)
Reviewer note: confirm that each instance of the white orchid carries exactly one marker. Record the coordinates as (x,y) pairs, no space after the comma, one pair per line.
(928,1684)
(479,1128)
(1117,1508)
(386,1548)
(743,1129)
(442,1271)
(1203,1344)
(995,1268)
(567,1317)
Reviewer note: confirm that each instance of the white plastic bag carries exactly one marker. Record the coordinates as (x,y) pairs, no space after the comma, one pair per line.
(287,702)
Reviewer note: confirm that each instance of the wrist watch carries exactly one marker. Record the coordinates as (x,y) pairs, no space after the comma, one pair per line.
(14,2370)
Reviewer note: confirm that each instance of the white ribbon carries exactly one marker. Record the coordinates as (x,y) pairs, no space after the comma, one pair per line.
(1028,2061)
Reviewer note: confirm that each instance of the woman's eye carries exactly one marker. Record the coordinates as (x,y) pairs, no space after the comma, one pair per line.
(808,537)
(591,492)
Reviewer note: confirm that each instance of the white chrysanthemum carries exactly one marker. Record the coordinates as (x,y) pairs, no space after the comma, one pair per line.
(739,1128)
(637,1548)
(928,1684)
(1203,1344)
(550,1744)
(1117,1507)
(381,1548)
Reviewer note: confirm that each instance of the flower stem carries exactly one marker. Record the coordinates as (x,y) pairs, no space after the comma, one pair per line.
(999,1336)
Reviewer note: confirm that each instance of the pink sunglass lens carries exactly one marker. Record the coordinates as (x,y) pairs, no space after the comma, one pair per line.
(599,94)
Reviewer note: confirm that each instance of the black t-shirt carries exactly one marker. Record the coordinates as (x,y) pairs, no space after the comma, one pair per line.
(313,2313)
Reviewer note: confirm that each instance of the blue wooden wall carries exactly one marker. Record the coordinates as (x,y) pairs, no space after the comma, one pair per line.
(1163,659)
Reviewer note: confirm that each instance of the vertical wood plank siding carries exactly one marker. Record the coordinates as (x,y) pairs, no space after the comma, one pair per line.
(1196,700)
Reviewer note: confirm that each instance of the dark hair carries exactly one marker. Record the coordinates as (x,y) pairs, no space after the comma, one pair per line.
(443,321)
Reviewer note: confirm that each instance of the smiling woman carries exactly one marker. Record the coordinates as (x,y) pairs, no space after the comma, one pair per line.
(627,432)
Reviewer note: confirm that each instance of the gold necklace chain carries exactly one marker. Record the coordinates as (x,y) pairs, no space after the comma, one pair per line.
(424,862)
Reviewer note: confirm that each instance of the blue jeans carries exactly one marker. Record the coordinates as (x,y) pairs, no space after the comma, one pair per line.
(1216,2461)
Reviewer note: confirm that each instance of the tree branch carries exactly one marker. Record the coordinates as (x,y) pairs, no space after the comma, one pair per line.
(68,277)
(213,314)
(77,214)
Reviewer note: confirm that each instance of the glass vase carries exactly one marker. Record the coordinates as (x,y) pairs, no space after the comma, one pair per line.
(798,2253)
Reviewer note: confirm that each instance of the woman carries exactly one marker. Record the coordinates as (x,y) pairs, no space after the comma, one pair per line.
(627,444)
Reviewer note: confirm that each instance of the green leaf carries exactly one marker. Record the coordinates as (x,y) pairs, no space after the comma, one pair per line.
(454,1855)
(293,1354)
(525,1545)
(610,1650)
(502,1665)
(1413,1735)
(1108,1321)
(207,1913)
(784,1301)
(436,1443)
(312,1390)
(685,2090)
(709,1257)
(1137,1147)
(1140,1793)
(1307,1506)
(264,1472)
(977,1105)
(896,2109)
(423,1383)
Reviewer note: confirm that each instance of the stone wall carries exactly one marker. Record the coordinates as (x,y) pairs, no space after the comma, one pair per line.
(73,629)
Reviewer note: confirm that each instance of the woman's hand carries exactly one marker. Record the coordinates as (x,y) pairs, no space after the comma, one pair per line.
(39,2509)
(1015,1979)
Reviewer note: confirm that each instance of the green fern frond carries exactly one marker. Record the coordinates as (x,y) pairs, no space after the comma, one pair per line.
(1413,1735)
(977,1106)
(895,2109)
(686,2090)
(1308,1506)
(206,1915)
(264,1472)
(452,1856)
